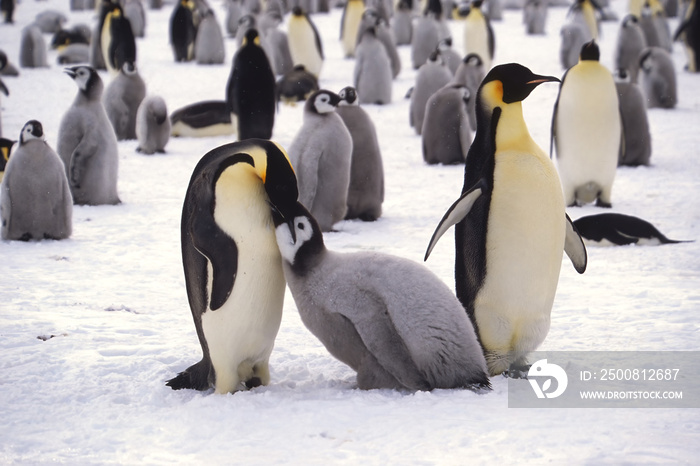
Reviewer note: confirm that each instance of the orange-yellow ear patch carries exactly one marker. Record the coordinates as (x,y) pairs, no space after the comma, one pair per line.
(492,94)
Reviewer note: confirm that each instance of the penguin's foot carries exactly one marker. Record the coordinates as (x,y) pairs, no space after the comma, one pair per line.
(253,382)
(517,371)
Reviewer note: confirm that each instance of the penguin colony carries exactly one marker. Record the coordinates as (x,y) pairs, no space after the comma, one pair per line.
(254,217)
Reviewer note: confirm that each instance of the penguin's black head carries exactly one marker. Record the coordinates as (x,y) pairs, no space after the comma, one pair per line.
(590,51)
(85,77)
(622,76)
(646,59)
(5,150)
(279,180)
(477,3)
(31,130)
(299,238)
(434,7)
(510,83)
(348,95)
(129,68)
(435,57)
(370,16)
(630,19)
(251,37)
(322,101)
(445,43)
(247,21)
(297,11)
(473,59)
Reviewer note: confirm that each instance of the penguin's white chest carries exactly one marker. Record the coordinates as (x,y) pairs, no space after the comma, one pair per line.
(524,247)
(476,38)
(302,46)
(240,335)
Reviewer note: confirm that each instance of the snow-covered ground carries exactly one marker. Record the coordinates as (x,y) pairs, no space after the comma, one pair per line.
(113,295)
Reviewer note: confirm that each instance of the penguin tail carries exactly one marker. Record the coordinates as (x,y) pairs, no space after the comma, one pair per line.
(195,377)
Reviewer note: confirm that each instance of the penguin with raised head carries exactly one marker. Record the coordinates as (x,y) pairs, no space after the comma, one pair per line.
(658,78)
(296,85)
(511,225)
(233,268)
(152,125)
(390,319)
(688,32)
(5,151)
(446,134)
(118,42)
(636,147)
(209,43)
(432,76)
(470,73)
(183,31)
(203,119)
(121,99)
(587,130)
(372,73)
(630,43)
(87,144)
(478,34)
(35,202)
(321,155)
(613,229)
(304,42)
(350,25)
(366,191)
(250,91)
(32,48)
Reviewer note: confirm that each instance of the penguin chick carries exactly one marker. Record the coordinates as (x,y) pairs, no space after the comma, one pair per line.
(620,230)
(510,222)
(233,268)
(209,43)
(35,201)
(87,144)
(321,156)
(391,320)
(636,147)
(152,125)
(366,191)
(121,100)
(446,134)
(630,43)
(658,78)
(470,73)
(372,73)
(432,76)
(32,48)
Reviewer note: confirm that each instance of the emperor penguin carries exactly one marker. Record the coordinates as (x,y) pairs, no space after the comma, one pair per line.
(510,222)
(121,100)
(430,77)
(296,85)
(304,42)
(470,73)
(587,130)
(425,39)
(250,91)
(5,151)
(350,25)
(478,34)
(50,21)
(395,323)
(573,35)
(371,18)
(586,12)
(87,144)
(451,58)
(366,191)
(535,16)
(688,32)
(35,201)
(118,42)
(372,73)
(97,59)
(446,134)
(152,125)
(658,78)
(636,148)
(8,10)
(613,229)
(321,155)
(402,22)
(209,43)
(233,268)
(32,48)
(79,34)
(183,31)
(630,43)
(203,119)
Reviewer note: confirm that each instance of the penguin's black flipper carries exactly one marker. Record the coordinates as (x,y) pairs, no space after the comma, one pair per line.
(195,377)
(3,88)
(574,247)
(456,213)
(679,30)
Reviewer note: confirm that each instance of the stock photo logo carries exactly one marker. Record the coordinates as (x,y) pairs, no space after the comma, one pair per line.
(546,372)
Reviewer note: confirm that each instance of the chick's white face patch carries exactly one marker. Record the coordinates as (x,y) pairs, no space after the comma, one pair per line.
(289,247)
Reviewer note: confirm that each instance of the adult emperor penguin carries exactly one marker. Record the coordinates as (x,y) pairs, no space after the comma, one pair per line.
(430,77)
(117,42)
(366,191)
(586,11)
(511,225)
(250,91)
(304,42)
(447,134)
(203,119)
(658,78)
(233,268)
(152,125)
(350,24)
(296,85)
(320,154)
(390,319)
(636,149)
(121,99)
(619,230)
(87,144)
(688,32)
(587,130)
(35,201)
(478,34)
(372,73)
(183,31)
(630,43)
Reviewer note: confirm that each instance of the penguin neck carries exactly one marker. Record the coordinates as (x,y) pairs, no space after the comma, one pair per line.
(310,254)
(512,132)
(93,93)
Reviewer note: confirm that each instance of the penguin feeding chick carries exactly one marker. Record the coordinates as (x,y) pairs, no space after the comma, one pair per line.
(233,268)
(391,320)
(511,225)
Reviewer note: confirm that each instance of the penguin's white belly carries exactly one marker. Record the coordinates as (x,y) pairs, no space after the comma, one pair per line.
(588,130)
(303,49)
(476,40)
(240,335)
(524,247)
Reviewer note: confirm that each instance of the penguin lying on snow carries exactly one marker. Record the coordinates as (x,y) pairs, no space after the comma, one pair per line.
(202,119)
(391,320)
(620,230)
(233,268)
(511,225)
